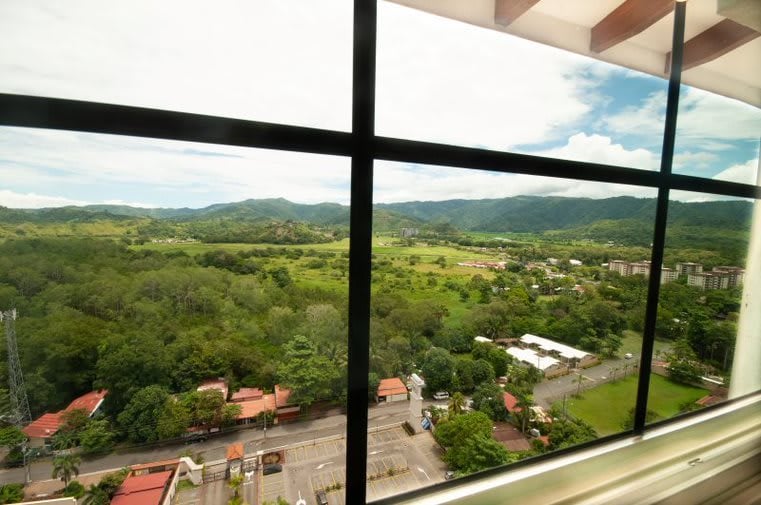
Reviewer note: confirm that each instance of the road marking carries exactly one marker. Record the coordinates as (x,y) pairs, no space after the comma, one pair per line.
(423,472)
(375,452)
(323,465)
(301,501)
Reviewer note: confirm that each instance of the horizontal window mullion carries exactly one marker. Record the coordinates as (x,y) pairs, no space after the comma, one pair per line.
(92,117)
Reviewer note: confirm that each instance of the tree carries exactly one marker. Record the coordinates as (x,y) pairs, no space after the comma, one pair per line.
(482,371)
(11,493)
(456,404)
(305,372)
(173,421)
(525,402)
(138,419)
(66,466)
(11,436)
(206,408)
(235,484)
(566,433)
(438,367)
(477,453)
(95,495)
(489,399)
(650,417)
(453,432)
(75,489)
(97,437)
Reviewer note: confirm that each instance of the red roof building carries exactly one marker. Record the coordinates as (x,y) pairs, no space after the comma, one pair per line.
(45,426)
(252,408)
(393,386)
(89,402)
(247,394)
(511,402)
(235,451)
(282,396)
(214,384)
(147,489)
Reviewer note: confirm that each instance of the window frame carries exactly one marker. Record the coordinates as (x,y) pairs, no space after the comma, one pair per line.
(364,147)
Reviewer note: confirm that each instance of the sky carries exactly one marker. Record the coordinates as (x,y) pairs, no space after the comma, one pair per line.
(290,62)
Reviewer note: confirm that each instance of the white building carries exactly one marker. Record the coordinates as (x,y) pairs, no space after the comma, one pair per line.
(549,366)
(566,354)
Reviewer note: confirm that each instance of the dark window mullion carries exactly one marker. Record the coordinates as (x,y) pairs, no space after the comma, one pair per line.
(360,246)
(661,217)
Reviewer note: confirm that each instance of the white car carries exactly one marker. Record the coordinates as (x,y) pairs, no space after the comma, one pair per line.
(628,355)
(440,395)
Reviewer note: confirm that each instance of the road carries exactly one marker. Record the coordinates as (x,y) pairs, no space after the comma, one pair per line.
(549,391)
(214,448)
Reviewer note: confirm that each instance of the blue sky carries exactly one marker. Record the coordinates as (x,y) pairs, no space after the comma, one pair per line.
(438,80)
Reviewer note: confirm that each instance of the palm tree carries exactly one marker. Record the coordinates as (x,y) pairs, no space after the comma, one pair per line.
(96,495)
(456,404)
(235,483)
(525,402)
(65,466)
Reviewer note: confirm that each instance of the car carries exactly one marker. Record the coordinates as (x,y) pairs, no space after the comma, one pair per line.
(628,355)
(273,468)
(449,475)
(322,498)
(440,395)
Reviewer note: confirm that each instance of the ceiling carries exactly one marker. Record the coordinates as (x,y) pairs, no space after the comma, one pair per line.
(722,40)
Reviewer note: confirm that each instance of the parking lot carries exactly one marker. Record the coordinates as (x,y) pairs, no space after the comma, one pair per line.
(396,463)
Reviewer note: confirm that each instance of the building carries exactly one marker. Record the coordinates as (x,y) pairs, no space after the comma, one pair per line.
(569,356)
(687,268)
(41,430)
(719,278)
(626,268)
(668,275)
(408,232)
(148,489)
(511,403)
(391,390)
(219,384)
(549,366)
(286,411)
(252,408)
(246,394)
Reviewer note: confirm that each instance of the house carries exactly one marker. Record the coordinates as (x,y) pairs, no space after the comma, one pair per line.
(247,394)
(41,430)
(150,489)
(549,366)
(219,384)
(285,410)
(511,403)
(570,356)
(391,390)
(250,409)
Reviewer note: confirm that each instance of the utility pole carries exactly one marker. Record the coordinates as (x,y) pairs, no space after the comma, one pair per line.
(20,414)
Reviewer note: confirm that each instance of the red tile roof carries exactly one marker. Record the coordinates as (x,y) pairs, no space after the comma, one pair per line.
(218,384)
(393,386)
(511,402)
(142,489)
(282,395)
(235,451)
(88,402)
(253,408)
(145,466)
(45,426)
(245,394)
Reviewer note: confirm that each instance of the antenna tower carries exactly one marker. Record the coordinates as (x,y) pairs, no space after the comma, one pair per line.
(20,415)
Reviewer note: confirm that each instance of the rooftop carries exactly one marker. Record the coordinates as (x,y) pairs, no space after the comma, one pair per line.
(142,489)
(252,408)
(44,426)
(550,345)
(532,358)
(392,386)
(88,401)
(244,394)
(282,395)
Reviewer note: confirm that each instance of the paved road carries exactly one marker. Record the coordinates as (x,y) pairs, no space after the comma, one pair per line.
(214,448)
(549,391)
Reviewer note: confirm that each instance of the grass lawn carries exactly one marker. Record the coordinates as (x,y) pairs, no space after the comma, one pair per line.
(606,407)
(632,342)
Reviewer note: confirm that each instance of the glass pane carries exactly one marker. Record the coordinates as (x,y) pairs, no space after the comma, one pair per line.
(238,59)
(700,307)
(446,81)
(503,299)
(199,290)
(719,122)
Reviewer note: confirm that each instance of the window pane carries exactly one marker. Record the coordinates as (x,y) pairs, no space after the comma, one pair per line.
(719,122)
(234,58)
(502,298)
(700,304)
(185,281)
(446,81)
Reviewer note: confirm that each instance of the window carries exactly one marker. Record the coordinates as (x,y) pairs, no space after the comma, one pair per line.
(430,217)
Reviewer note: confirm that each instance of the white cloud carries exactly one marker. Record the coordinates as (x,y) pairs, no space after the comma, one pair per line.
(747,173)
(34,201)
(601,149)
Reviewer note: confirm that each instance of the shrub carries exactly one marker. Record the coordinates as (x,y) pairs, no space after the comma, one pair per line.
(75,489)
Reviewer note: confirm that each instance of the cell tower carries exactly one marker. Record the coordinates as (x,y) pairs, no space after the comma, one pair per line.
(20,415)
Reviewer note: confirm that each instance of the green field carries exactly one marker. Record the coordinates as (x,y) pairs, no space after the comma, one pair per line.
(606,407)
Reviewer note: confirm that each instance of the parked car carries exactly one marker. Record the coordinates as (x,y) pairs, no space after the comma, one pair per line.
(449,475)
(440,395)
(273,468)
(322,498)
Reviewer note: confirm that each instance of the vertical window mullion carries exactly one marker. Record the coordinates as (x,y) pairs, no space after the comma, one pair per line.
(360,246)
(661,216)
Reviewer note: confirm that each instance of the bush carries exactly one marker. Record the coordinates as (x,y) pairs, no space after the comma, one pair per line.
(75,489)
(11,493)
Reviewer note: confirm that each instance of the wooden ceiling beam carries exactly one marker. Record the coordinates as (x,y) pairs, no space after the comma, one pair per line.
(507,11)
(716,41)
(626,21)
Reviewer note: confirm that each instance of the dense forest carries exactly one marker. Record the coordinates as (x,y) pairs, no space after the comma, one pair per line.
(150,321)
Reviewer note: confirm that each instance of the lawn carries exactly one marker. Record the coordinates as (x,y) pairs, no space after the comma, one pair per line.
(632,342)
(606,407)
